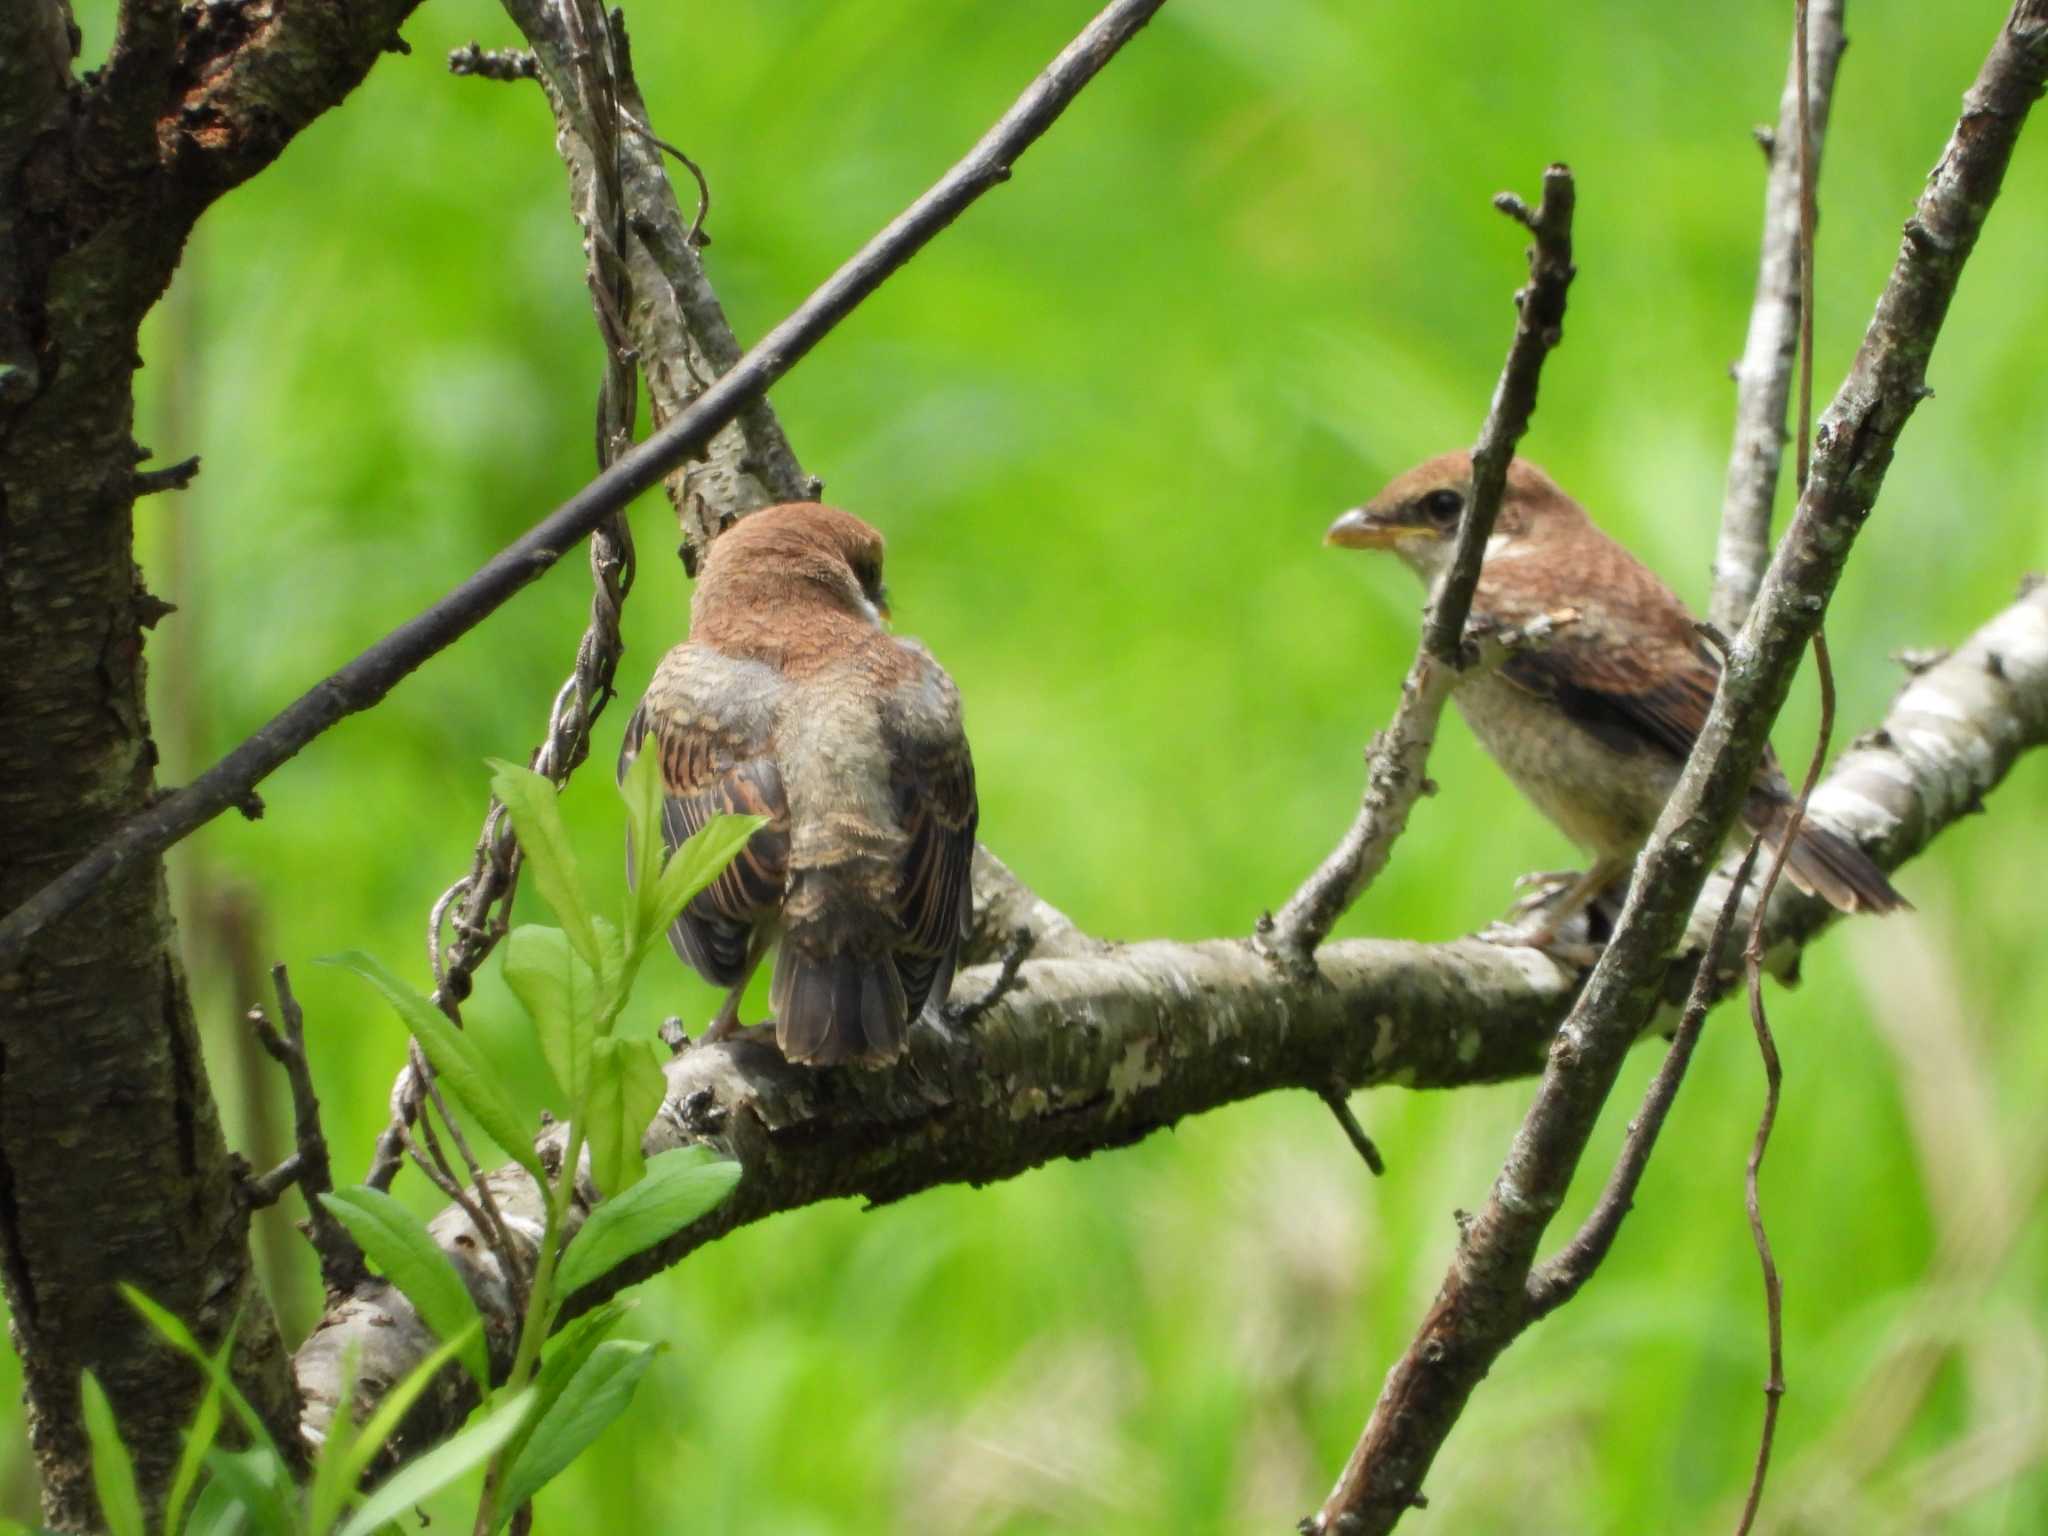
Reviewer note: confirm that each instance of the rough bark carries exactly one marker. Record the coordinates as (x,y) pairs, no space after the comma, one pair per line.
(101,179)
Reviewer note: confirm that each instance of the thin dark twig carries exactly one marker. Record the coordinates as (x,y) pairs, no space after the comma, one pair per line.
(1753,951)
(433,1166)
(1338,1098)
(262,1190)
(1560,1278)
(341,1260)
(493,63)
(496,1230)
(697,237)
(1767,1046)
(171,477)
(1015,953)
(1397,762)
(367,679)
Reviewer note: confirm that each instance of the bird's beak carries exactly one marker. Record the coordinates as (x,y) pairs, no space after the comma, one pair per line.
(1361,528)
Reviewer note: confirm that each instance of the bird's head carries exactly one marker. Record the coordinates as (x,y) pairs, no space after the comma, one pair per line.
(1416,515)
(800,553)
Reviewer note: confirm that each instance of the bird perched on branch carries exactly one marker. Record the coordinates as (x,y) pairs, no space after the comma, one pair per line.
(789,700)
(1594,725)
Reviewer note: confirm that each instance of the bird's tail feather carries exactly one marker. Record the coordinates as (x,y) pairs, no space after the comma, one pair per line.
(837,1006)
(1826,864)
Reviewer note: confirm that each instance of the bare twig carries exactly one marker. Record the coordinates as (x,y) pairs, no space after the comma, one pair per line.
(493,63)
(341,1261)
(1482,1306)
(1398,761)
(478,906)
(171,477)
(1015,953)
(1753,952)
(1763,378)
(1336,1098)
(377,670)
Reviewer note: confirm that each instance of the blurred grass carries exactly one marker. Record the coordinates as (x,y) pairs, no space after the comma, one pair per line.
(1103,422)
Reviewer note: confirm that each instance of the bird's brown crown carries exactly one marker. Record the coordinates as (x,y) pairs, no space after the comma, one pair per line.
(792,585)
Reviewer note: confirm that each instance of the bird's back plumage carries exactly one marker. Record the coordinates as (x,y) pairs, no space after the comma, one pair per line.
(789,701)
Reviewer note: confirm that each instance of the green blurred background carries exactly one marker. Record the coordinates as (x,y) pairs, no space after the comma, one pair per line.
(1103,422)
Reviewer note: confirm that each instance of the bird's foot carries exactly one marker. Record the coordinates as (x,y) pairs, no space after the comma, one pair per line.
(1540,889)
(721,1028)
(1565,940)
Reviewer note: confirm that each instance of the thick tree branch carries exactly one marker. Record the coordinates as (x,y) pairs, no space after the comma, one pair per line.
(249,77)
(1097,1051)
(1483,1305)
(1763,377)
(1397,766)
(376,671)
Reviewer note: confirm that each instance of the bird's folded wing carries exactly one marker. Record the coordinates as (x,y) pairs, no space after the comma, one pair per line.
(932,782)
(1625,665)
(715,761)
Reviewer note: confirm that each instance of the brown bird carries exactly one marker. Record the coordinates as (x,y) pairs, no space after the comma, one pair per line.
(789,700)
(1595,725)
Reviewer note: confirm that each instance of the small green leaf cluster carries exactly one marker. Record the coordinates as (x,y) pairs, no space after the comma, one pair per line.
(573,982)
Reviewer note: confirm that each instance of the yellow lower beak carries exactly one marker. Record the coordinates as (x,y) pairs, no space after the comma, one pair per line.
(1360,529)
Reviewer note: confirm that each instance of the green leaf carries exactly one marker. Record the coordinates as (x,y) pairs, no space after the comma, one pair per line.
(536,812)
(568,1349)
(641,789)
(179,1337)
(390,1413)
(113,1470)
(626,1089)
(200,1437)
(458,1061)
(695,865)
(559,992)
(423,1478)
(600,1390)
(680,1186)
(258,1483)
(218,1512)
(400,1244)
(614,972)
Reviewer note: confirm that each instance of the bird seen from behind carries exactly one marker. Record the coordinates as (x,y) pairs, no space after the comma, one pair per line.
(790,700)
(1594,725)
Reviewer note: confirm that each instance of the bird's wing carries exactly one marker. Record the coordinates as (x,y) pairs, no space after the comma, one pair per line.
(931,778)
(1626,665)
(712,722)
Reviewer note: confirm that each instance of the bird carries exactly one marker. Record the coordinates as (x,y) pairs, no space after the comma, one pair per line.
(790,700)
(1594,725)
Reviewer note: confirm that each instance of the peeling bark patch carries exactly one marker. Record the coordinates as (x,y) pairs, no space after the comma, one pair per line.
(1133,1073)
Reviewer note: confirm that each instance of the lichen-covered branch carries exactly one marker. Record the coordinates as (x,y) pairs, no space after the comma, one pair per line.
(1484,1303)
(1099,1048)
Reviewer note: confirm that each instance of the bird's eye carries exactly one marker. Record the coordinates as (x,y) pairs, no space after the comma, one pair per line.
(1442,507)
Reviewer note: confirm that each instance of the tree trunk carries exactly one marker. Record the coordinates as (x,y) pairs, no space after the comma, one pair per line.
(112,1162)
